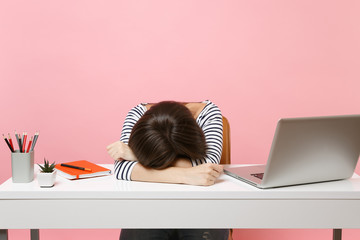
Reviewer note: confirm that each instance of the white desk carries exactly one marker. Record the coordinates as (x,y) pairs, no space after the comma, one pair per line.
(105,202)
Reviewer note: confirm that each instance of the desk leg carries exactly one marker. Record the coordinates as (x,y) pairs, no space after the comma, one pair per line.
(337,234)
(3,234)
(34,234)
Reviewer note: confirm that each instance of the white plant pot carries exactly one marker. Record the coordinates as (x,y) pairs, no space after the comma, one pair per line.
(46,179)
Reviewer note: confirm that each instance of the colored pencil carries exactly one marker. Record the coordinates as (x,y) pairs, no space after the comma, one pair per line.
(7,142)
(18,140)
(24,142)
(36,136)
(29,144)
(10,141)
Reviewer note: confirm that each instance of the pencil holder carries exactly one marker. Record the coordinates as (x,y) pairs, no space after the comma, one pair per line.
(22,167)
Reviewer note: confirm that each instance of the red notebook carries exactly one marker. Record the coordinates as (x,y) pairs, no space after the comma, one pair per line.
(72,173)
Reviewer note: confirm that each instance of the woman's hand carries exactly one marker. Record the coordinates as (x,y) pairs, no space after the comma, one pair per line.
(119,150)
(204,174)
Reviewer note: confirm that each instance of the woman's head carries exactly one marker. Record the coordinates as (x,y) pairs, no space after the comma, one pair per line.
(164,133)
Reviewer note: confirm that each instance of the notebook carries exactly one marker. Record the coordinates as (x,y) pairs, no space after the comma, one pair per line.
(72,173)
(307,150)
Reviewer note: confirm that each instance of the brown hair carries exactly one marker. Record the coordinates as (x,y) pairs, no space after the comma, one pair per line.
(164,133)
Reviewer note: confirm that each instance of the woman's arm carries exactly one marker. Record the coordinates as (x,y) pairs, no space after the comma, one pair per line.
(205,174)
(181,172)
(210,121)
(123,168)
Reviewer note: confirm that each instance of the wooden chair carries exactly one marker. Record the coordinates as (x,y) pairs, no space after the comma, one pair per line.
(226,154)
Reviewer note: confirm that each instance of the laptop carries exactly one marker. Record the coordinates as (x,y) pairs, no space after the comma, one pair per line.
(306,150)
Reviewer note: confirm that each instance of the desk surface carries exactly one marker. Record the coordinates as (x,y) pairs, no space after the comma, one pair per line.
(108,187)
(105,202)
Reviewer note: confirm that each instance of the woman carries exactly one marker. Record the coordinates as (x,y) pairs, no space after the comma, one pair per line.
(170,142)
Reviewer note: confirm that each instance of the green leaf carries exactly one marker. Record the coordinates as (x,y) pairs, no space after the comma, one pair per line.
(47,168)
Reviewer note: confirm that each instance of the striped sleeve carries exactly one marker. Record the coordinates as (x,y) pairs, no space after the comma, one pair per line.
(210,121)
(123,168)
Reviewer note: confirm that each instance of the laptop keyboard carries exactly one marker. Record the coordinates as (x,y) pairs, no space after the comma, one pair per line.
(258,175)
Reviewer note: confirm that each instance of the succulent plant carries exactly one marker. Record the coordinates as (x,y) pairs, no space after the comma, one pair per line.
(47,168)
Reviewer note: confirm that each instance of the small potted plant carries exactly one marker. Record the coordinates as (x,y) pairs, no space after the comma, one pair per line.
(47,175)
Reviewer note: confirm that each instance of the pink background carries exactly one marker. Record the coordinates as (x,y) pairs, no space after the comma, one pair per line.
(72,69)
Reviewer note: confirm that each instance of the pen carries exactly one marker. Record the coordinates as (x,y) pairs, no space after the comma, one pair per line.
(29,144)
(76,167)
(24,142)
(7,142)
(10,141)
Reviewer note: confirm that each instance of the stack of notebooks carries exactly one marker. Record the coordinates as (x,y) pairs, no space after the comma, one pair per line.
(81,169)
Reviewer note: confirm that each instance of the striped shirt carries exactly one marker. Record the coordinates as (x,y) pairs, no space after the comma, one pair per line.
(209,120)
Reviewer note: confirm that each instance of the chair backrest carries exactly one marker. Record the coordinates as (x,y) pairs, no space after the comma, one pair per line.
(225,156)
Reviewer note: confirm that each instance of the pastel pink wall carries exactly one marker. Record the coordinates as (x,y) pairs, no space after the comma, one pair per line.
(72,69)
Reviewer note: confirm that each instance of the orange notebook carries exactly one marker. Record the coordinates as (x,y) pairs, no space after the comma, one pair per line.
(72,173)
